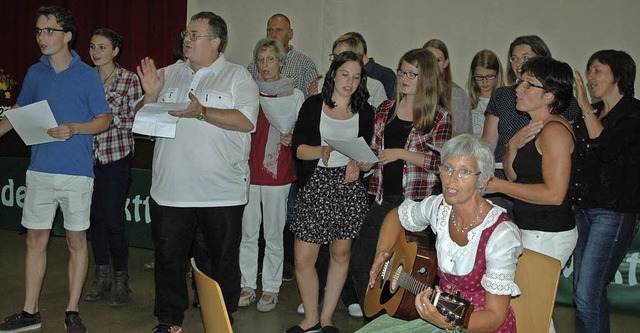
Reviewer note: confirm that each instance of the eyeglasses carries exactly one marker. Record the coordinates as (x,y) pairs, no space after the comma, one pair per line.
(523,59)
(481,78)
(527,84)
(268,60)
(46,31)
(193,35)
(409,75)
(462,173)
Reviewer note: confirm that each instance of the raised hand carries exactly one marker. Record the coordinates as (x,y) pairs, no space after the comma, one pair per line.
(525,135)
(150,79)
(581,93)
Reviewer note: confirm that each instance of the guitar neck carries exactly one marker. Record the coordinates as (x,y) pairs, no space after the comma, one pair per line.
(411,284)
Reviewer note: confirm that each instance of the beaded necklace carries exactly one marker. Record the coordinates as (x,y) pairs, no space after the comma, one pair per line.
(466,228)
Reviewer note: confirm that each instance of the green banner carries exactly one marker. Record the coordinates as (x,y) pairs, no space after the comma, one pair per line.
(624,290)
(12,192)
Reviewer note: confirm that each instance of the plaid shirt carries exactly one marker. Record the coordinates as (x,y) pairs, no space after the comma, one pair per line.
(117,142)
(418,181)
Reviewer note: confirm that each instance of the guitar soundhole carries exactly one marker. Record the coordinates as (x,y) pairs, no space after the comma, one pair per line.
(396,276)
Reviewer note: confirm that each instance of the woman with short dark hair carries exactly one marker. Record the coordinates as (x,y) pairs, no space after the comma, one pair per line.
(607,204)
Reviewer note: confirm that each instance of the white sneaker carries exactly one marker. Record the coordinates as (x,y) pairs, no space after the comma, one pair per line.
(355,310)
(267,302)
(300,309)
(247,296)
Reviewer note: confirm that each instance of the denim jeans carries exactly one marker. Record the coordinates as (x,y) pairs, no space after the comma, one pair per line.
(604,237)
(110,189)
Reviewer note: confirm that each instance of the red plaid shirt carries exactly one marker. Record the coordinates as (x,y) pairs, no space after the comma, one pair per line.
(117,142)
(418,181)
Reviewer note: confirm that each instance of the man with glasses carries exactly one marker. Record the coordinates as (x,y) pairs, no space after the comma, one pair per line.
(60,172)
(201,177)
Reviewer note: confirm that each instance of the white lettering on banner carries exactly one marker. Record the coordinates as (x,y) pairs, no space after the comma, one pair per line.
(633,258)
(136,209)
(8,195)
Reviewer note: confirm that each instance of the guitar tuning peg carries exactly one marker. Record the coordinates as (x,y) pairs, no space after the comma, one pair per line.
(448,317)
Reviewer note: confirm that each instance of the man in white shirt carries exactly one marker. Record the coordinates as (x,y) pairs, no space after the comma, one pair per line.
(200,178)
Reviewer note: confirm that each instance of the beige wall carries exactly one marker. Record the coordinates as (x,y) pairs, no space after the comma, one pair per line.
(573,29)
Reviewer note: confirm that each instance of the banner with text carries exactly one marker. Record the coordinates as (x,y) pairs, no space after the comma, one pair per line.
(624,290)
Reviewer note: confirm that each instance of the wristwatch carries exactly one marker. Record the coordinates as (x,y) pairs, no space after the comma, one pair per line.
(201,116)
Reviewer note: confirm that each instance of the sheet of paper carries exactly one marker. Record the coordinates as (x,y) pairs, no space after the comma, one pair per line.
(357,150)
(32,122)
(279,112)
(499,166)
(153,119)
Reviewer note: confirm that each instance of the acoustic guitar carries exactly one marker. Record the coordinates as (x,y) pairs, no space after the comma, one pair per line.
(409,270)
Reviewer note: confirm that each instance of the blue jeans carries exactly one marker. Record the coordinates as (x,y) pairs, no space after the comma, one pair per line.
(604,237)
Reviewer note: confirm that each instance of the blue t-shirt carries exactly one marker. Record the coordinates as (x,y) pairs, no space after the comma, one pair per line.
(75,95)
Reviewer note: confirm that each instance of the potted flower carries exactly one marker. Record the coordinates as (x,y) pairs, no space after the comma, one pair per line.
(6,87)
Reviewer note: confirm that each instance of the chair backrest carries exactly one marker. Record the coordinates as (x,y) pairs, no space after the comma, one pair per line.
(537,277)
(212,307)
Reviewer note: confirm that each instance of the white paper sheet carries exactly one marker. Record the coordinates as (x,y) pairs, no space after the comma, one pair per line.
(32,122)
(357,150)
(153,119)
(279,112)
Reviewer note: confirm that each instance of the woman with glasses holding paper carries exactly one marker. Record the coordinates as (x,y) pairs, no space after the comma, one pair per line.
(607,205)
(408,132)
(485,76)
(113,151)
(538,160)
(272,172)
(332,202)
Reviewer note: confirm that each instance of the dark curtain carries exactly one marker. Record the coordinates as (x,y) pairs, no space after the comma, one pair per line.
(148,27)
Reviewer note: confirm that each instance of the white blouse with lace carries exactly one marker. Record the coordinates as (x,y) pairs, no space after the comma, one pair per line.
(502,250)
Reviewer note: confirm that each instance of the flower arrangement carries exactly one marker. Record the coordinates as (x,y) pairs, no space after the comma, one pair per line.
(6,85)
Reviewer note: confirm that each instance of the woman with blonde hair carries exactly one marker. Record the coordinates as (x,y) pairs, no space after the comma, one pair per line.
(455,99)
(485,76)
(406,130)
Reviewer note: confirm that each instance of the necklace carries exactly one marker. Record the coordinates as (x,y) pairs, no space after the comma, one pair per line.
(107,79)
(466,228)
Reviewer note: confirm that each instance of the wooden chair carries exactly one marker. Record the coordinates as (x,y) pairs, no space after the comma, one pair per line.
(537,276)
(212,307)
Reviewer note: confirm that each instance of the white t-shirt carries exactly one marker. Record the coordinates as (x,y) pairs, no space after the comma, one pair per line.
(340,130)
(502,250)
(205,166)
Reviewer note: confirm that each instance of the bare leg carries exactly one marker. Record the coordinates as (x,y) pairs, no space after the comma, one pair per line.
(306,255)
(78,262)
(338,270)
(36,265)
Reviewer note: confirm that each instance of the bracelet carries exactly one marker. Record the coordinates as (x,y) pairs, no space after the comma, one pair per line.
(594,111)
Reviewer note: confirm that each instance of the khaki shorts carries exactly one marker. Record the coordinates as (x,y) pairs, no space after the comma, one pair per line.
(47,191)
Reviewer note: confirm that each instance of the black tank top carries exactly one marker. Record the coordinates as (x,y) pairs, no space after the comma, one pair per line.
(528,216)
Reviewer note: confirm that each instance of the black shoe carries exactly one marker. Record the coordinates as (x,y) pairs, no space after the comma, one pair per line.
(288,272)
(297,329)
(19,323)
(73,323)
(329,329)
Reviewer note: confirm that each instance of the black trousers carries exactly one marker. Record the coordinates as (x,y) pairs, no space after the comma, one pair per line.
(173,230)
